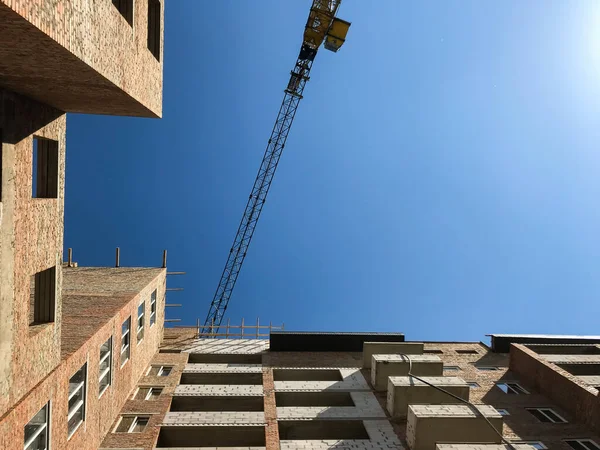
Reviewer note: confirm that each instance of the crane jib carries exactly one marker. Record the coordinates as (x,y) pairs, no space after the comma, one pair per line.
(322,26)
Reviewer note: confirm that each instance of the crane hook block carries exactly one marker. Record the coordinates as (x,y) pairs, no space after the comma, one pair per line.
(336,36)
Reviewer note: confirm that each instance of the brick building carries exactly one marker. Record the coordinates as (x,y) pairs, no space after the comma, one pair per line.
(59,327)
(352,391)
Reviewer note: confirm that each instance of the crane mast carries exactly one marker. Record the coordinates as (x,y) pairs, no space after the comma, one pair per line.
(322,26)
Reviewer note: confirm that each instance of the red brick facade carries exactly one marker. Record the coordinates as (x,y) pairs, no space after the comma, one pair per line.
(520,366)
(81,56)
(105,310)
(31,240)
(156,409)
(581,402)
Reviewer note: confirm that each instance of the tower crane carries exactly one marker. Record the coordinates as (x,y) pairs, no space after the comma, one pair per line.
(322,27)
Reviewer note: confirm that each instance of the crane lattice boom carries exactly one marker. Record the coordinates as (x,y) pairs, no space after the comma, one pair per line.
(322,25)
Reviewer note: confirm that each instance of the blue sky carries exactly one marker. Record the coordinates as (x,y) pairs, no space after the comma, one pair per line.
(441,178)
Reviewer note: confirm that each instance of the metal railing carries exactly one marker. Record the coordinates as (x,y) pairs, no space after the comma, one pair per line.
(241,331)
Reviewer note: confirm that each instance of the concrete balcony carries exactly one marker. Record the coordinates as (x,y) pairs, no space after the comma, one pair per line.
(404,391)
(428,424)
(389,348)
(384,366)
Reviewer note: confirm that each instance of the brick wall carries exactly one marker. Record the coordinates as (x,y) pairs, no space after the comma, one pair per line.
(31,240)
(581,402)
(156,409)
(100,411)
(369,409)
(81,56)
(520,424)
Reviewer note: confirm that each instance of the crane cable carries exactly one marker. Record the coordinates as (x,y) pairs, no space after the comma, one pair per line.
(462,400)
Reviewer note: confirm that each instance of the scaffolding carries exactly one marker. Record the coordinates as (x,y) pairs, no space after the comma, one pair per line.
(233,331)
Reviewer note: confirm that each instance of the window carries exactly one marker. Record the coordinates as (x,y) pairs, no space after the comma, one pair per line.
(467,352)
(105,366)
(37,436)
(154,28)
(132,424)
(42,298)
(582,444)
(503,412)
(536,444)
(77,389)
(125,7)
(140,321)
(473,384)
(434,351)
(546,415)
(45,168)
(511,388)
(487,368)
(451,368)
(125,337)
(148,393)
(153,308)
(160,371)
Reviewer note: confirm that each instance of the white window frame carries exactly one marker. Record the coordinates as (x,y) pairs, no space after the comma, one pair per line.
(550,419)
(45,426)
(133,424)
(532,443)
(153,308)
(108,370)
(583,442)
(126,348)
(160,371)
(81,404)
(503,410)
(512,389)
(140,316)
(151,391)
